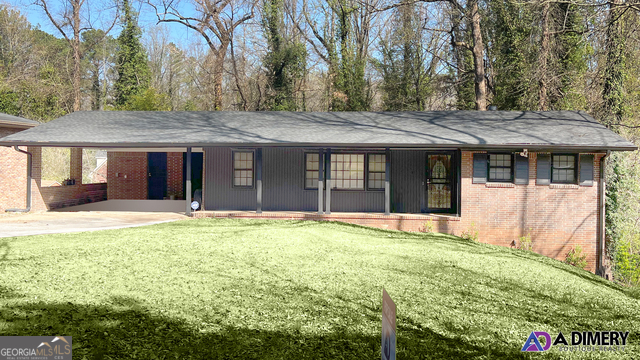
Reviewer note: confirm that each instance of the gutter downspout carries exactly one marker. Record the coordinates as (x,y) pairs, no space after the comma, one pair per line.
(600,270)
(29,156)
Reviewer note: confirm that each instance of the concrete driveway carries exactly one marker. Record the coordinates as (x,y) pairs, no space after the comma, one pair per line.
(67,222)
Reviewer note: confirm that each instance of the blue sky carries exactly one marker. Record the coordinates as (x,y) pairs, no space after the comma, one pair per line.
(36,16)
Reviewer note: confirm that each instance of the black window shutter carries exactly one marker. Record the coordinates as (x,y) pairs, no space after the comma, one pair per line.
(586,170)
(522,170)
(544,169)
(479,168)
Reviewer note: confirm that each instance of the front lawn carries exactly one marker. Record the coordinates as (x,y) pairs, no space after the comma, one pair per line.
(222,289)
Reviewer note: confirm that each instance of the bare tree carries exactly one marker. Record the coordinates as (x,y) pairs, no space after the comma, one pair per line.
(216,21)
(471,12)
(69,22)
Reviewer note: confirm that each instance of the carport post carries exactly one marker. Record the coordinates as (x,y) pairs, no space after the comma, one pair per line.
(320,181)
(259,180)
(328,176)
(188,190)
(387,181)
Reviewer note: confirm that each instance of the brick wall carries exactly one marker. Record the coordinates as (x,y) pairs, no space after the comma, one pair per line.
(127,175)
(13,175)
(558,217)
(56,197)
(134,166)
(75,165)
(174,175)
(37,201)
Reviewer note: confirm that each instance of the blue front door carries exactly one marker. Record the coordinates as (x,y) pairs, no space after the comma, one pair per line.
(157,181)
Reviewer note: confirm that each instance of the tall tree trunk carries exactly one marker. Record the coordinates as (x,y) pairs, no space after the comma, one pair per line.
(75,44)
(95,88)
(612,93)
(478,57)
(218,72)
(543,58)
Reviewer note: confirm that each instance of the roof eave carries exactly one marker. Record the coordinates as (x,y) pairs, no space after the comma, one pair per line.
(7,124)
(468,147)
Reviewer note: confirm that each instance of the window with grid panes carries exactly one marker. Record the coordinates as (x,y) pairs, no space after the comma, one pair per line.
(500,167)
(243,168)
(347,171)
(311,169)
(376,171)
(563,169)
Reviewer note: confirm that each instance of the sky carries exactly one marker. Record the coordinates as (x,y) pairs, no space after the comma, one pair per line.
(179,34)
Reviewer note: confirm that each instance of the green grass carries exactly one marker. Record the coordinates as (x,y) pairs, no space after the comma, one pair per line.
(224,289)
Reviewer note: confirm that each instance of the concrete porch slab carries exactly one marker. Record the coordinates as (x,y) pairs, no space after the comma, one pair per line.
(175,206)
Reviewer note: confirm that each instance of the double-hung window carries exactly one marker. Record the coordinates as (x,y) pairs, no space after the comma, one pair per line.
(500,167)
(243,169)
(311,170)
(376,171)
(347,171)
(563,169)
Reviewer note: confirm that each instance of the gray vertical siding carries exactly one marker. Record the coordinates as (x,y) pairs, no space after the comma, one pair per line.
(220,193)
(282,182)
(407,181)
(357,201)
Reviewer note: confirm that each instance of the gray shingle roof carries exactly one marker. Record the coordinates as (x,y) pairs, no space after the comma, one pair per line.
(14,121)
(452,129)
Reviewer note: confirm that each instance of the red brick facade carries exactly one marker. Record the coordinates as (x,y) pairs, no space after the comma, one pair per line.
(127,175)
(13,175)
(558,217)
(75,165)
(174,175)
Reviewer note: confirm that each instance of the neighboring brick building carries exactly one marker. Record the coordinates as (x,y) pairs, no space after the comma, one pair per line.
(504,175)
(13,165)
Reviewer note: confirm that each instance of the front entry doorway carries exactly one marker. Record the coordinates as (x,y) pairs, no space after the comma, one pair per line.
(196,174)
(157,179)
(440,182)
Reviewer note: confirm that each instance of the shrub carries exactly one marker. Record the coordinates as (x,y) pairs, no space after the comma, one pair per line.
(623,216)
(428,226)
(627,264)
(576,258)
(471,233)
(525,242)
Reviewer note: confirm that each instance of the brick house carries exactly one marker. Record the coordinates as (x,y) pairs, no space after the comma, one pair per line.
(13,165)
(503,174)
